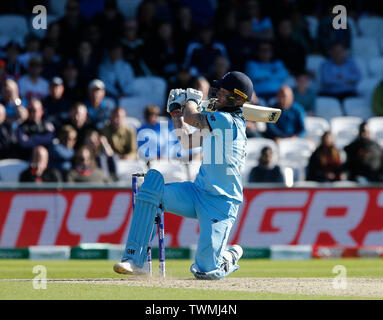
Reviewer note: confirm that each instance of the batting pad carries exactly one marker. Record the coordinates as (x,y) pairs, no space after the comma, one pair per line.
(148,200)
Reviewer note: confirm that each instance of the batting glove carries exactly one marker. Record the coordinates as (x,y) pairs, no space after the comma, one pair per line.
(176,101)
(194,95)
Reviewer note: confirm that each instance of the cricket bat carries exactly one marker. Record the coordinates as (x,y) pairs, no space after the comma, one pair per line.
(253,112)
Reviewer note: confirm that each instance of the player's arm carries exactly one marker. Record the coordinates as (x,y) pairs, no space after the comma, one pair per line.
(193,117)
(188,139)
(175,106)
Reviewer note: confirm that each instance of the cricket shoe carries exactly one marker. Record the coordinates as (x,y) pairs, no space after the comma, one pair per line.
(236,252)
(128,267)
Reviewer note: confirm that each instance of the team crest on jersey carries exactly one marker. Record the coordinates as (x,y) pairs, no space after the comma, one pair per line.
(212,117)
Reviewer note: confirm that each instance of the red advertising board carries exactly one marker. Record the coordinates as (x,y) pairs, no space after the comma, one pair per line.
(347,217)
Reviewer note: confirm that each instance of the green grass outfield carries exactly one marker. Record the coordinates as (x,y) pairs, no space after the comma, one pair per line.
(177,269)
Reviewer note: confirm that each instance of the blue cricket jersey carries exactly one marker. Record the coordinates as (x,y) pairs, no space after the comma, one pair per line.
(224,152)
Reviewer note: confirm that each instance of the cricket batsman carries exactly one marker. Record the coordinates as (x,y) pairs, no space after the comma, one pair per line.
(215,195)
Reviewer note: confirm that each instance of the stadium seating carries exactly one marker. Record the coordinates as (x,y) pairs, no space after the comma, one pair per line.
(295,153)
(173,171)
(125,169)
(345,130)
(315,128)
(128,7)
(365,47)
(354,28)
(10,169)
(362,66)
(375,125)
(327,108)
(370,26)
(375,66)
(134,106)
(313,64)
(357,107)
(57,7)
(133,122)
(13,27)
(366,87)
(254,147)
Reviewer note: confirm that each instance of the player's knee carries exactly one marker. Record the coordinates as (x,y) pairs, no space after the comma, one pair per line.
(153,187)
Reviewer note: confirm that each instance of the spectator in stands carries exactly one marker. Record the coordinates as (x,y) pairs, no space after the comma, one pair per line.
(288,50)
(86,63)
(184,28)
(225,23)
(32,50)
(301,31)
(99,109)
(153,137)
(117,74)
(110,22)
(53,36)
(79,120)
(339,74)
(7,136)
(32,85)
(72,27)
(35,131)
(61,153)
(304,94)
(377,100)
(106,159)
(14,106)
(56,105)
(38,170)
(146,16)
(51,61)
(364,157)
(183,79)
(266,171)
(327,35)
(93,35)
(220,68)
(200,55)
(121,137)
(164,48)
(266,73)
(202,84)
(84,168)
(291,123)
(325,164)
(14,67)
(75,91)
(242,46)
(135,49)
(262,25)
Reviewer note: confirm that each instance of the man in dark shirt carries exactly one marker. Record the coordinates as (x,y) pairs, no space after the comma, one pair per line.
(79,120)
(7,136)
(34,131)
(38,170)
(266,171)
(364,157)
(56,106)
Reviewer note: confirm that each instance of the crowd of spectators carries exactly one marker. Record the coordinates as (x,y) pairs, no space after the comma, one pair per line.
(60,95)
